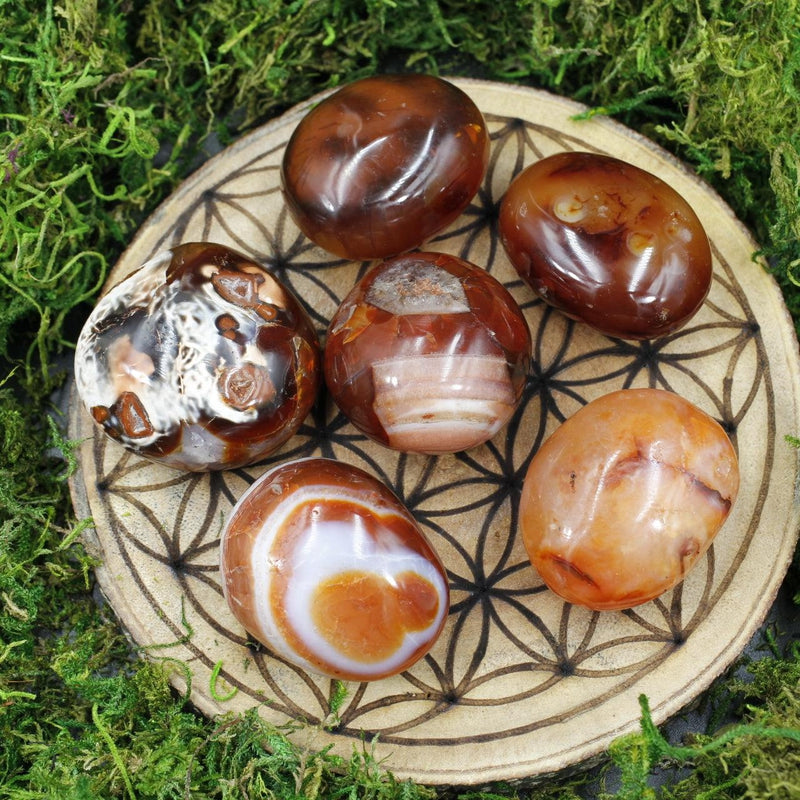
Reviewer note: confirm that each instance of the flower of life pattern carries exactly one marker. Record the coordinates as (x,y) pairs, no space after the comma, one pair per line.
(514,659)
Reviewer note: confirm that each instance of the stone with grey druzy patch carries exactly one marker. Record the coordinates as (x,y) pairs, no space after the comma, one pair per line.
(416,286)
(428,354)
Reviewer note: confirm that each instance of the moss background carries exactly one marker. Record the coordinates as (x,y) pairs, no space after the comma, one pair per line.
(105,106)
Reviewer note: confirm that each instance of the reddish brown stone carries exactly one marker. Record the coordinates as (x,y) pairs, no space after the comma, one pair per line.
(607,244)
(384,163)
(428,353)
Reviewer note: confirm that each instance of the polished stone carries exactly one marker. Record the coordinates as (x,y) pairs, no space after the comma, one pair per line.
(384,163)
(323,564)
(625,496)
(607,244)
(428,353)
(201,360)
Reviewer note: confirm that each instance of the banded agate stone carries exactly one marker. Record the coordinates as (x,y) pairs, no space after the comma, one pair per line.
(323,564)
(428,353)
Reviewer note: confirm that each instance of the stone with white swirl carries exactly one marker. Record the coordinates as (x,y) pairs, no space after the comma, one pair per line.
(324,565)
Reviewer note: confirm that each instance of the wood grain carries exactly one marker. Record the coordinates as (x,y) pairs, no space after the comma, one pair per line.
(520,684)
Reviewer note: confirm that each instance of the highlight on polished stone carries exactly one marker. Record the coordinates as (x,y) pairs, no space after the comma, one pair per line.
(381,165)
(625,496)
(607,243)
(428,353)
(324,565)
(200,360)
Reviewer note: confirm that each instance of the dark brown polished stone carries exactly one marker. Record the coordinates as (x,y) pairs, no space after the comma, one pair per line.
(607,244)
(383,164)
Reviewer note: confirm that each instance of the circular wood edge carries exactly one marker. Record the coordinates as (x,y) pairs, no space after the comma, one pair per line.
(661,712)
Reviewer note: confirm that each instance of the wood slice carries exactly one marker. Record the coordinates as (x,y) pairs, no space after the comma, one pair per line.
(520,684)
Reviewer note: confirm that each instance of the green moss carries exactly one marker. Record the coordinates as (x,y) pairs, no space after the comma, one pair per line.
(105,106)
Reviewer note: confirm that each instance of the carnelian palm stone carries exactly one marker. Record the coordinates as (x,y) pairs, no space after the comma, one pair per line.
(381,165)
(624,497)
(428,353)
(200,360)
(607,243)
(323,564)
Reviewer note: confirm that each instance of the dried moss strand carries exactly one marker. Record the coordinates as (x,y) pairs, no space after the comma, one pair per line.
(663,749)
(112,747)
(104,108)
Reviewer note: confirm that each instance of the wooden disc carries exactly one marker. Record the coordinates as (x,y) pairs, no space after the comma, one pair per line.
(520,684)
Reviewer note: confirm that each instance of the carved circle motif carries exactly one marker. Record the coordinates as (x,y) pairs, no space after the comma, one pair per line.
(520,684)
